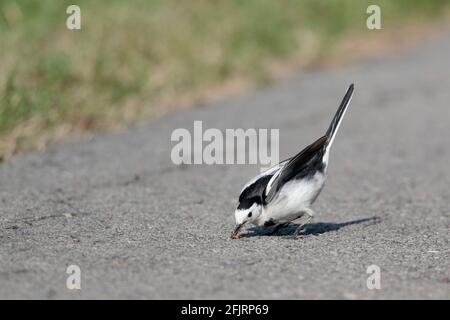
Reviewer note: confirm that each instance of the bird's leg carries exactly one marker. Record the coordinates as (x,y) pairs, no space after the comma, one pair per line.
(278,227)
(308,214)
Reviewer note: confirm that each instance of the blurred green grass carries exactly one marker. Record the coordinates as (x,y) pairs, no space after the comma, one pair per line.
(132,56)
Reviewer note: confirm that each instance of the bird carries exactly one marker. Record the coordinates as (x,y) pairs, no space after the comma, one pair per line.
(285,192)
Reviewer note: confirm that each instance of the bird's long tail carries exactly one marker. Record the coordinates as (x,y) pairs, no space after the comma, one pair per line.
(334,126)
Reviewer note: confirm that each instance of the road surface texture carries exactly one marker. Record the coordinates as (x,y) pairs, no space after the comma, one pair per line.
(139,226)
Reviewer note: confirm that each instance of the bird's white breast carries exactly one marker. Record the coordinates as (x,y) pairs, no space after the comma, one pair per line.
(292,198)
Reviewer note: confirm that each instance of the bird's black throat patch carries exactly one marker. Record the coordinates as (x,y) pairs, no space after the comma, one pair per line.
(269,223)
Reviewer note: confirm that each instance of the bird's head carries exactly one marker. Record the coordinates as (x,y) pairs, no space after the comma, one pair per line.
(247,211)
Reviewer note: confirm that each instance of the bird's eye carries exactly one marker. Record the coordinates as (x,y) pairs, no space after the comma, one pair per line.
(249,215)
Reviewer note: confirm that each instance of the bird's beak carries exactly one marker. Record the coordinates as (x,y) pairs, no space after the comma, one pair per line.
(235,234)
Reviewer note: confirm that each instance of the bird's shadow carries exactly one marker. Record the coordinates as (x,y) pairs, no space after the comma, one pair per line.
(309,229)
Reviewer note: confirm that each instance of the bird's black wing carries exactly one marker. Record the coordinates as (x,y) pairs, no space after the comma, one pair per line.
(254,189)
(306,162)
(269,171)
(253,193)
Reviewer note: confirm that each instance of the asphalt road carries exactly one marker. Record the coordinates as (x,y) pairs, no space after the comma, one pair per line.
(140,227)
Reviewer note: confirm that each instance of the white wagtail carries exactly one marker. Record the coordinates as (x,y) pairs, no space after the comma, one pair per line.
(285,192)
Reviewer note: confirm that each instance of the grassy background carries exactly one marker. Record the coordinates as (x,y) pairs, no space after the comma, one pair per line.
(132,57)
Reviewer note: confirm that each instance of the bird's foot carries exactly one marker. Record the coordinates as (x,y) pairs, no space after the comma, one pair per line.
(301,226)
(298,234)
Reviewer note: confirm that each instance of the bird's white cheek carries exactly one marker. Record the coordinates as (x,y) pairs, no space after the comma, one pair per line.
(239,216)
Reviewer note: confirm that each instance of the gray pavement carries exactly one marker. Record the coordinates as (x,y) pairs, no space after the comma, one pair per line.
(140,227)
